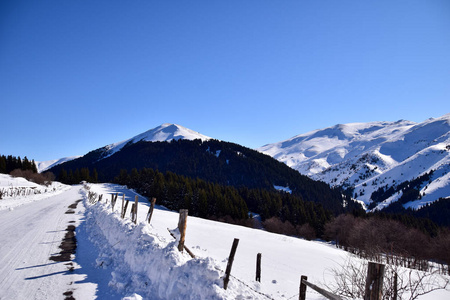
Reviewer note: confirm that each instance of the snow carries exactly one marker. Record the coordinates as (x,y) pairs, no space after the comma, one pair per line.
(117,259)
(163,133)
(368,156)
(283,189)
(43,166)
(38,192)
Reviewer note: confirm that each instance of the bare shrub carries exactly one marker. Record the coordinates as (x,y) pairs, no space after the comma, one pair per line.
(306,231)
(275,225)
(350,281)
(44,178)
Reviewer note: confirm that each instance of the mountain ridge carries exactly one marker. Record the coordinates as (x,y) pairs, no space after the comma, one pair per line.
(163,133)
(367,157)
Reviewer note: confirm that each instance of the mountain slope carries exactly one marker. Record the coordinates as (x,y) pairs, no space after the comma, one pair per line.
(163,133)
(214,161)
(43,166)
(375,157)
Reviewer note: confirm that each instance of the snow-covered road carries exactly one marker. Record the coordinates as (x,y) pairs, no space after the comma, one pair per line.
(29,235)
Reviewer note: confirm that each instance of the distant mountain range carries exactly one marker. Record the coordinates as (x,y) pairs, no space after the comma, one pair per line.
(379,162)
(174,148)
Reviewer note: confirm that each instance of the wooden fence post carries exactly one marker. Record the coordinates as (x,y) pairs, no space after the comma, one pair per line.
(302,294)
(182,224)
(230,263)
(113,200)
(374,282)
(132,212)
(258,267)
(150,211)
(123,203)
(125,209)
(395,286)
(135,208)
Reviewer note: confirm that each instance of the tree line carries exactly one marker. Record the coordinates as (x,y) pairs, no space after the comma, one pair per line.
(10,163)
(77,176)
(215,201)
(17,167)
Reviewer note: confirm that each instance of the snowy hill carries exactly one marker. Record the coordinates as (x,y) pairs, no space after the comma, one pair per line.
(376,156)
(43,166)
(163,133)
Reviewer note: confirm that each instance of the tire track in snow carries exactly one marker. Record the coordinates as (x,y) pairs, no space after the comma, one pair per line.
(29,235)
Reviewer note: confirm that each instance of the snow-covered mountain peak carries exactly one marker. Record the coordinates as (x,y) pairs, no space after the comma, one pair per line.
(368,156)
(163,133)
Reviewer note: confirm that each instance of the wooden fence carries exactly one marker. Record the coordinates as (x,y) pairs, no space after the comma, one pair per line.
(20,191)
(375,272)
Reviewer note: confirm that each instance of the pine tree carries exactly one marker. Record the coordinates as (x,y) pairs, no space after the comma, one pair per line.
(94,177)
(2,164)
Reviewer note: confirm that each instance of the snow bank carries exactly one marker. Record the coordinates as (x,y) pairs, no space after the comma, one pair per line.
(17,191)
(143,262)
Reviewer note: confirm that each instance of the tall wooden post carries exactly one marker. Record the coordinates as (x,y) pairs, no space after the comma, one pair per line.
(150,212)
(135,208)
(302,294)
(230,263)
(395,286)
(258,267)
(123,203)
(374,282)
(132,212)
(182,224)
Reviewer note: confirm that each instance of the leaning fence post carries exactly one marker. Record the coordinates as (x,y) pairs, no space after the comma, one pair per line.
(150,211)
(125,209)
(230,263)
(302,294)
(258,267)
(135,208)
(374,282)
(182,224)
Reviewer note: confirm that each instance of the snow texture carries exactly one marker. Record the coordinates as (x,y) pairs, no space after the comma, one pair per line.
(368,156)
(117,259)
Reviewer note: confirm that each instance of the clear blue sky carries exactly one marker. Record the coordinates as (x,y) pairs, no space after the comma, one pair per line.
(78,75)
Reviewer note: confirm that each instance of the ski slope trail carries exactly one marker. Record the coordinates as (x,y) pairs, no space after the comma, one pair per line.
(30,235)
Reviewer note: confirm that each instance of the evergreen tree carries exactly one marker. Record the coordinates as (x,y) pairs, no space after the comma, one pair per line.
(94,177)
(2,164)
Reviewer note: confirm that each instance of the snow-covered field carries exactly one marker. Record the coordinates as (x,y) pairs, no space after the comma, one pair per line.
(116,258)
(10,186)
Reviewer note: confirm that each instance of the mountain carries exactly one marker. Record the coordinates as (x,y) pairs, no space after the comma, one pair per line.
(169,148)
(43,166)
(379,162)
(163,133)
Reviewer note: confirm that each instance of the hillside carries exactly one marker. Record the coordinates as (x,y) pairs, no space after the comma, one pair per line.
(378,162)
(214,161)
(118,259)
(163,133)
